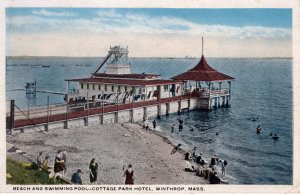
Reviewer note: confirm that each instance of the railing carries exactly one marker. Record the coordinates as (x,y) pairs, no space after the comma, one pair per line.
(40,111)
(219,92)
(108,104)
(206,93)
(63,112)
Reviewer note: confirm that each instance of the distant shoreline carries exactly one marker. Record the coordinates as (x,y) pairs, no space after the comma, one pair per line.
(196,58)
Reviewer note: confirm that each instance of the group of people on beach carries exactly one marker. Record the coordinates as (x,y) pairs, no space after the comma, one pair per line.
(60,167)
(207,171)
(202,169)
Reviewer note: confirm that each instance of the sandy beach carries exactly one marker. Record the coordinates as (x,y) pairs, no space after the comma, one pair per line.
(113,146)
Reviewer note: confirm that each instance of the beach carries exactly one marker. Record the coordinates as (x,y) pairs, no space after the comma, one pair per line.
(113,146)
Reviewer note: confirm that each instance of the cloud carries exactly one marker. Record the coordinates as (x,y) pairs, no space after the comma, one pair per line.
(114,22)
(111,13)
(44,12)
(110,27)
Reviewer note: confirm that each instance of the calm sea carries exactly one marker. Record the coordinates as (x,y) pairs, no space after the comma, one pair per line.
(262,87)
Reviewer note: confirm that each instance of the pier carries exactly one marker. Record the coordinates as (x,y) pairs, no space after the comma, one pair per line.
(65,116)
(119,96)
(91,112)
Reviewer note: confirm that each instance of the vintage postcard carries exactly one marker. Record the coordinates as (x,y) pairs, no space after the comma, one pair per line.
(106,96)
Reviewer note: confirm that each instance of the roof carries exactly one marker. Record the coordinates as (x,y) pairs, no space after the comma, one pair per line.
(128,76)
(203,72)
(126,81)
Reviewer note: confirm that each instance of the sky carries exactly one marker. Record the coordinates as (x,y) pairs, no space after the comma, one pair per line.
(156,32)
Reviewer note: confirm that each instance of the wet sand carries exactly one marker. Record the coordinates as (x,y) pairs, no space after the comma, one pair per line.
(113,146)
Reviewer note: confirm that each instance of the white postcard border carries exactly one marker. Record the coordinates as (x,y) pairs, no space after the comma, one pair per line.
(295,188)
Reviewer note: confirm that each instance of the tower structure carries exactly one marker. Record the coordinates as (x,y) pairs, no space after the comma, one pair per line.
(118,61)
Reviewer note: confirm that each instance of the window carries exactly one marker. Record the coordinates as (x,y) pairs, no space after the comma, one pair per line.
(133,90)
(125,88)
(105,87)
(87,86)
(81,85)
(119,88)
(99,87)
(93,86)
(112,88)
(166,88)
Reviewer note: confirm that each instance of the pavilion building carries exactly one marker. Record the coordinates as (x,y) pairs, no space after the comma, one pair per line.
(117,85)
(208,84)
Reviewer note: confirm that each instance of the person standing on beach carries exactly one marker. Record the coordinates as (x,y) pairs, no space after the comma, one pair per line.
(173,127)
(39,159)
(223,166)
(129,176)
(93,171)
(59,164)
(154,124)
(194,153)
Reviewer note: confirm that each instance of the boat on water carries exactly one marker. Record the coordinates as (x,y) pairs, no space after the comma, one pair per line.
(40,66)
(189,57)
(85,65)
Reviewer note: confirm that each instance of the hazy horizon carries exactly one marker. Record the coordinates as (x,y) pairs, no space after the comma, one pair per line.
(190,57)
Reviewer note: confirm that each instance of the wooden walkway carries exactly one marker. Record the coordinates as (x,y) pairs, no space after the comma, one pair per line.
(96,111)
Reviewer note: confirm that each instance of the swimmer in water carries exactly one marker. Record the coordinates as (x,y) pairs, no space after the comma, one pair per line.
(258,129)
(275,137)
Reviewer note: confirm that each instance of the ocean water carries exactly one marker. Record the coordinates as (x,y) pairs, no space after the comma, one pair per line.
(262,87)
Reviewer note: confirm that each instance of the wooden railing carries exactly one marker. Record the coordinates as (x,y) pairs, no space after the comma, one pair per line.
(63,111)
(83,111)
(204,93)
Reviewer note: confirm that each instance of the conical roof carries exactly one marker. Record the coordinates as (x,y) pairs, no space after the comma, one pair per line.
(202,72)
(202,66)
